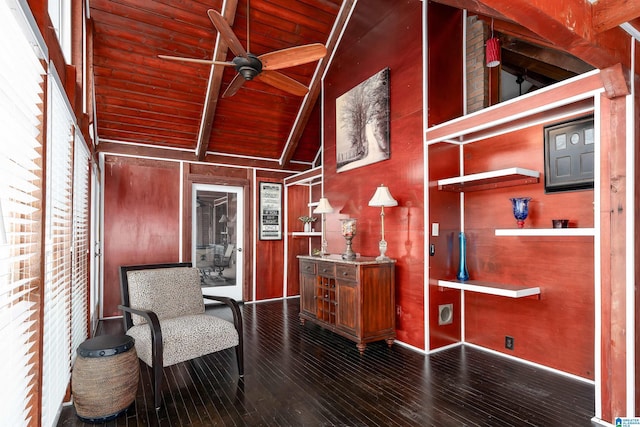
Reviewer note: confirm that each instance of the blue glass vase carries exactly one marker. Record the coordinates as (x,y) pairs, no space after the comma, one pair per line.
(463,273)
(520,209)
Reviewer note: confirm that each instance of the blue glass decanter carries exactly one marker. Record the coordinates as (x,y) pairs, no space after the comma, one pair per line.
(520,209)
(463,273)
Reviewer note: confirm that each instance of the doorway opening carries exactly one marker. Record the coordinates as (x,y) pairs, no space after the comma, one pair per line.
(217,239)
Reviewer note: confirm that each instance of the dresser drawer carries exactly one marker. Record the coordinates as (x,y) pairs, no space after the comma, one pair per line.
(307,267)
(347,272)
(326,269)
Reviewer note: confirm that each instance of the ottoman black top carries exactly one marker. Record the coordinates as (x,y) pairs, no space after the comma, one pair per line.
(105,345)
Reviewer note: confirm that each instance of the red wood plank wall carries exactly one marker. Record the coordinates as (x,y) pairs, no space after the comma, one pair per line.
(445,99)
(142,208)
(444,209)
(557,330)
(270,257)
(380,36)
(141,219)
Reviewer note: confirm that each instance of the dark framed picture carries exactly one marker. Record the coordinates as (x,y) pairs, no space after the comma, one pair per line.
(569,155)
(270,211)
(362,123)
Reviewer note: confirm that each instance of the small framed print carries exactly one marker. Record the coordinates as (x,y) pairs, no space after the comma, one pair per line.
(569,155)
(270,211)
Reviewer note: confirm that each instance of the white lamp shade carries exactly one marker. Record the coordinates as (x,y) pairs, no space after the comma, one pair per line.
(223,218)
(382,197)
(323,206)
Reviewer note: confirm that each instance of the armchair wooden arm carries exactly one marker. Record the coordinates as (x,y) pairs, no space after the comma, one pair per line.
(237,322)
(156,347)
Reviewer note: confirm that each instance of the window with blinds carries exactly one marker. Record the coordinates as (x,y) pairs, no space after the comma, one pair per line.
(80,260)
(21,91)
(56,350)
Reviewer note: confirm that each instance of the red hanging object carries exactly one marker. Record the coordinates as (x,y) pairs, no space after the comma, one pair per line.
(493,52)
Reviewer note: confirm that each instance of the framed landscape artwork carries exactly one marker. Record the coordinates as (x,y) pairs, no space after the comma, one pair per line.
(362,123)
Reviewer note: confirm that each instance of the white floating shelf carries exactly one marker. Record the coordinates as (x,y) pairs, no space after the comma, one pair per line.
(551,232)
(312,204)
(489,180)
(306,234)
(510,291)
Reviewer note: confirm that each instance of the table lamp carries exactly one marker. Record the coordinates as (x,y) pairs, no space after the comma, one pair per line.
(323,207)
(382,197)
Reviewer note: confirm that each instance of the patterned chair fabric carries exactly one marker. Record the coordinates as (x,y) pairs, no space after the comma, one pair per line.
(168,292)
(164,312)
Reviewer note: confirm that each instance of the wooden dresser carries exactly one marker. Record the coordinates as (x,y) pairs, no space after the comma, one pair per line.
(354,298)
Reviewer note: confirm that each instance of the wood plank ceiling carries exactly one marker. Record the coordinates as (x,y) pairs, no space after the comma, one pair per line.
(150,106)
(147,105)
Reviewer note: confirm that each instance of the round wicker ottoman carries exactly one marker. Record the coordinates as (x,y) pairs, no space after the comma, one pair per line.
(104,380)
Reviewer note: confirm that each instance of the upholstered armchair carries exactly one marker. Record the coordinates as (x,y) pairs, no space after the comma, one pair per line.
(164,312)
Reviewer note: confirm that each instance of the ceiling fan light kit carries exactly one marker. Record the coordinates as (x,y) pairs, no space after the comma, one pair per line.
(249,67)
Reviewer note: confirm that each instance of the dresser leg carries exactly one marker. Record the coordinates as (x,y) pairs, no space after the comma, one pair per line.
(390,342)
(361,346)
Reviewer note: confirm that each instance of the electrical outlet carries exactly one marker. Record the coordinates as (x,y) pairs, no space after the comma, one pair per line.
(508,342)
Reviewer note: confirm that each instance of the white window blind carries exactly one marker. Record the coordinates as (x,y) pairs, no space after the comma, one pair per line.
(21,78)
(56,360)
(80,273)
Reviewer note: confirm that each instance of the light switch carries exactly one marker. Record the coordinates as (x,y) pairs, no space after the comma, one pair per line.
(435,229)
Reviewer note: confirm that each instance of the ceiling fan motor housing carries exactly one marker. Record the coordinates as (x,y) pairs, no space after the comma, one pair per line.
(248,67)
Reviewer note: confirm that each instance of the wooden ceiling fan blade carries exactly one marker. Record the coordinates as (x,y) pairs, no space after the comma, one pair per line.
(226,33)
(292,56)
(197,61)
(282,82)
(234,86)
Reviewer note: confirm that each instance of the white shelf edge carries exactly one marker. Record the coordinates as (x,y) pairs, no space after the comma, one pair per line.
(488,175)
(511,291)
(306,233)
(312,204)
(546,232)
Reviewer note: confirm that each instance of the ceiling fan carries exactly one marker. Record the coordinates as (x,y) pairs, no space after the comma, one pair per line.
(262,67)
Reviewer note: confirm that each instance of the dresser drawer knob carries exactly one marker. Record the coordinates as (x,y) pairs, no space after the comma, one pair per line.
(344,273)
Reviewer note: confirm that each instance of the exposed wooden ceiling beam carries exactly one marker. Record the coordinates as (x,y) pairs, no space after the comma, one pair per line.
(479,7)
(215,84)
(566,24)
(315,86)
(552,57)
(141,150)
(608,14)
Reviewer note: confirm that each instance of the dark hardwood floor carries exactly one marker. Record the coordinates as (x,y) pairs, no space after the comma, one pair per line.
(305,376)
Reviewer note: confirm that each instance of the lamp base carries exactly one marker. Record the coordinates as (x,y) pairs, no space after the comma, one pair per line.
(383,249)
(349,254)
(323,248)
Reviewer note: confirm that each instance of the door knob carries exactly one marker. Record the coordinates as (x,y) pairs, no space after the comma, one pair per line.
(239,249)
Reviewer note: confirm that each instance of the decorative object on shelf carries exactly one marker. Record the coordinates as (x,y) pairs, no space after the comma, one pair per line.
(324,207)
(349,232)
(463,273)
(382,197)
(560,223)
(520,209)
(493,50)
(307,220)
